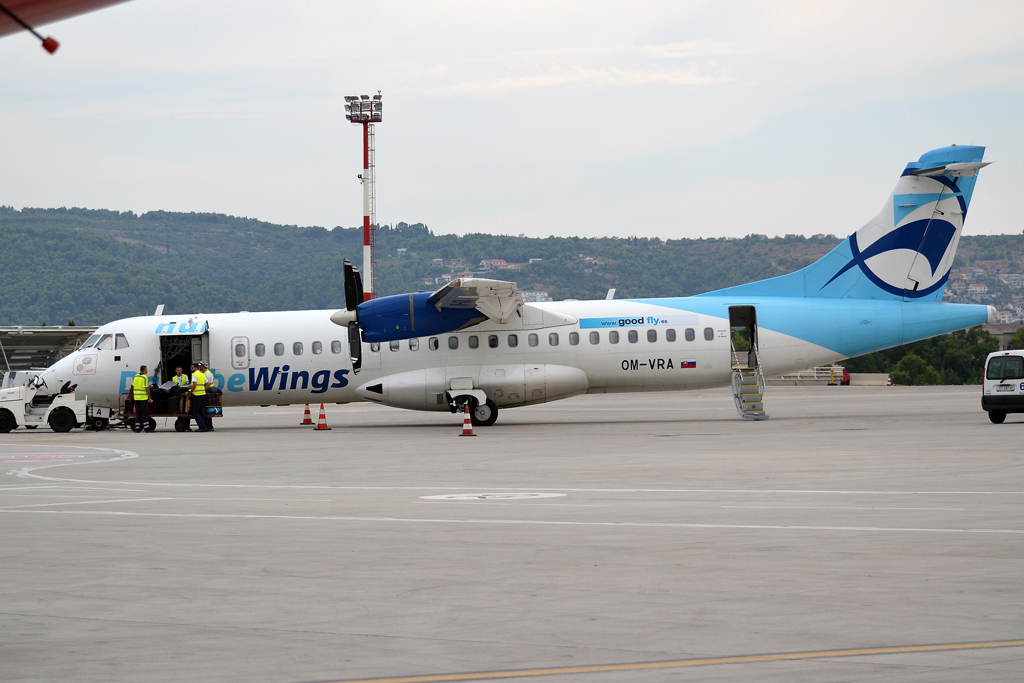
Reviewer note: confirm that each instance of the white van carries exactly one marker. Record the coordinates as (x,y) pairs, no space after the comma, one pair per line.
(1003,384)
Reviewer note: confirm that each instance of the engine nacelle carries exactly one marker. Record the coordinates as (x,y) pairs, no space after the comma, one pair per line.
(404,316)
(506,385)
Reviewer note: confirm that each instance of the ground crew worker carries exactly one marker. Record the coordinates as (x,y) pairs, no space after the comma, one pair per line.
(140,392)
(184,381)
(209,384)
(199,398)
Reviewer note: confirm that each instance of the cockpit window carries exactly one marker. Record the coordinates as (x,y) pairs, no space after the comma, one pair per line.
(91,341)
(106,342)
(120,342)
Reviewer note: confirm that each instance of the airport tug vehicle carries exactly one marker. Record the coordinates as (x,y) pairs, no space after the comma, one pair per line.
(25,405)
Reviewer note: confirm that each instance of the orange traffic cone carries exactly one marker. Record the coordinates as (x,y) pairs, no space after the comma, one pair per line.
(467,424)
(321,424)
(888,380)
(307,419)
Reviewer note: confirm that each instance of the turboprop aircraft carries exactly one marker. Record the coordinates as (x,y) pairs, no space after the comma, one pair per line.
(475,343)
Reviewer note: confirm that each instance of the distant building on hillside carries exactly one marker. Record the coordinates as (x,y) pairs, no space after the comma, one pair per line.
(437,262)
(493,264)
(977,288)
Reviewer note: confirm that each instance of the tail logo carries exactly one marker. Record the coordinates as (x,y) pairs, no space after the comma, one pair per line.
(910,239)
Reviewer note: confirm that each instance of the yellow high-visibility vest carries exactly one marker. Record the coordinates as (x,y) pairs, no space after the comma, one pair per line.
(199,377)
(139,386)
(182,381)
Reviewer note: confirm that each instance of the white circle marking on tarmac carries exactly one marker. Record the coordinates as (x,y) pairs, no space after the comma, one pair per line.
(492,496)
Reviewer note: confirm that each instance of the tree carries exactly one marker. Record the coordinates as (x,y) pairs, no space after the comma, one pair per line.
(912,370)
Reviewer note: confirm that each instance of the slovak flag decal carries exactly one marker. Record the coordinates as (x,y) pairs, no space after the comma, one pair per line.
(684,364)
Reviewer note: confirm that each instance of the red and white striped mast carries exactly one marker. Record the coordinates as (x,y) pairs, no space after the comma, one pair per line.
(365,111)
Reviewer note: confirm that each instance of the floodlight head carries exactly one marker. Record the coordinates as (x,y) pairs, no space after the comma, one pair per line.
(377,97)
(365,97)
(350,98)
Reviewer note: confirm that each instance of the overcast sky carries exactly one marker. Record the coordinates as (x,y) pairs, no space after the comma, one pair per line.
(674,119)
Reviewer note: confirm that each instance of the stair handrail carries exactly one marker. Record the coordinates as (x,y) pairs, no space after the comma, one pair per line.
(760,370)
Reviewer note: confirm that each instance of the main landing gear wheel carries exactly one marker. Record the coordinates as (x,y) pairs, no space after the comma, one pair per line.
(62,420)
(997,416)
(484,414)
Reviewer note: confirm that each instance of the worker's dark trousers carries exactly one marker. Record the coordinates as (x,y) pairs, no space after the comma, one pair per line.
(141,415)
(199,411)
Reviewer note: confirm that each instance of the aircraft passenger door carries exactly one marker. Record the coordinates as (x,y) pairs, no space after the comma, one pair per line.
(743,336)
(239,353)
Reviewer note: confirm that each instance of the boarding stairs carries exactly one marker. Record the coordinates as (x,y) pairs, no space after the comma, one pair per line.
(748,385)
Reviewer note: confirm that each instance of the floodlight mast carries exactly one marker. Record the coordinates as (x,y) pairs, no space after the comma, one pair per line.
(365,111)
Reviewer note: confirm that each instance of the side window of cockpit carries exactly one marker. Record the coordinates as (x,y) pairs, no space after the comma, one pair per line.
(106,342)
(91,341)
(120,341)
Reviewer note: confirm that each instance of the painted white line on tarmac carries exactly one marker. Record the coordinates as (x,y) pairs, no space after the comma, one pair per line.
(530,522)
(824,507)
(81,502)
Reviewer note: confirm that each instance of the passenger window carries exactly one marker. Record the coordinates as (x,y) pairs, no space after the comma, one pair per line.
(595,337)
(553,339)
(513,341)
(690,336)
(297,348)
(574,338)
(492,341)
(239,350)
(613,337)
(105,342)
(474,341)
(453,343)
(91,341)
(121,342)
(414,344)
(317,348)
(335,347)
(375,347)
(394,345)
(261,349)
(633,336)
(278,349)
(652,336)
(709,333)
(433,343)
(533,340)
(670,335)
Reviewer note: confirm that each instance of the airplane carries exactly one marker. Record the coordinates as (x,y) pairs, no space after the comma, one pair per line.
(474,344)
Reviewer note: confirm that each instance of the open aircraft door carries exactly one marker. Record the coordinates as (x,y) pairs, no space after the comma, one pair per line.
(181,344)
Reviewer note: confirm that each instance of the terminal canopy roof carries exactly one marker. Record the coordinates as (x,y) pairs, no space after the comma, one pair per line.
(26,348)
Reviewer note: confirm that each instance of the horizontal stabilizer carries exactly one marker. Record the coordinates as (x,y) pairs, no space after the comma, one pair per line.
(963,170)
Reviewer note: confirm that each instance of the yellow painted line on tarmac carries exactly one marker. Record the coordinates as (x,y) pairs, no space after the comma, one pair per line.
(680,663)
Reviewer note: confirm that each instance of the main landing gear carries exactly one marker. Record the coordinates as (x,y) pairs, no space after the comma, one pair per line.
(483,414)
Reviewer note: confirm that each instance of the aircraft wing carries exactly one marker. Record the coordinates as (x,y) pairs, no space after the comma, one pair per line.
(39,12)
(497,299)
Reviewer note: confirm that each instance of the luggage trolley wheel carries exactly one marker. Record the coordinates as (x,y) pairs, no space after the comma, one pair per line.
(181,424)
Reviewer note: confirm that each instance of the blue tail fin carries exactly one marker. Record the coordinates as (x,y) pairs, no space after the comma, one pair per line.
(903,253)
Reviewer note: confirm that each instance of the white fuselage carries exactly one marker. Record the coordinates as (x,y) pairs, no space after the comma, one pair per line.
(546,354)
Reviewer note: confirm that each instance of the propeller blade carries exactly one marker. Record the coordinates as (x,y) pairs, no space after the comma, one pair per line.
(359,285)
(352,297)
(355,347)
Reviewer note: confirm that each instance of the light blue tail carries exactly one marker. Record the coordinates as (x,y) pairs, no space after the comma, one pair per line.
(906,251)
